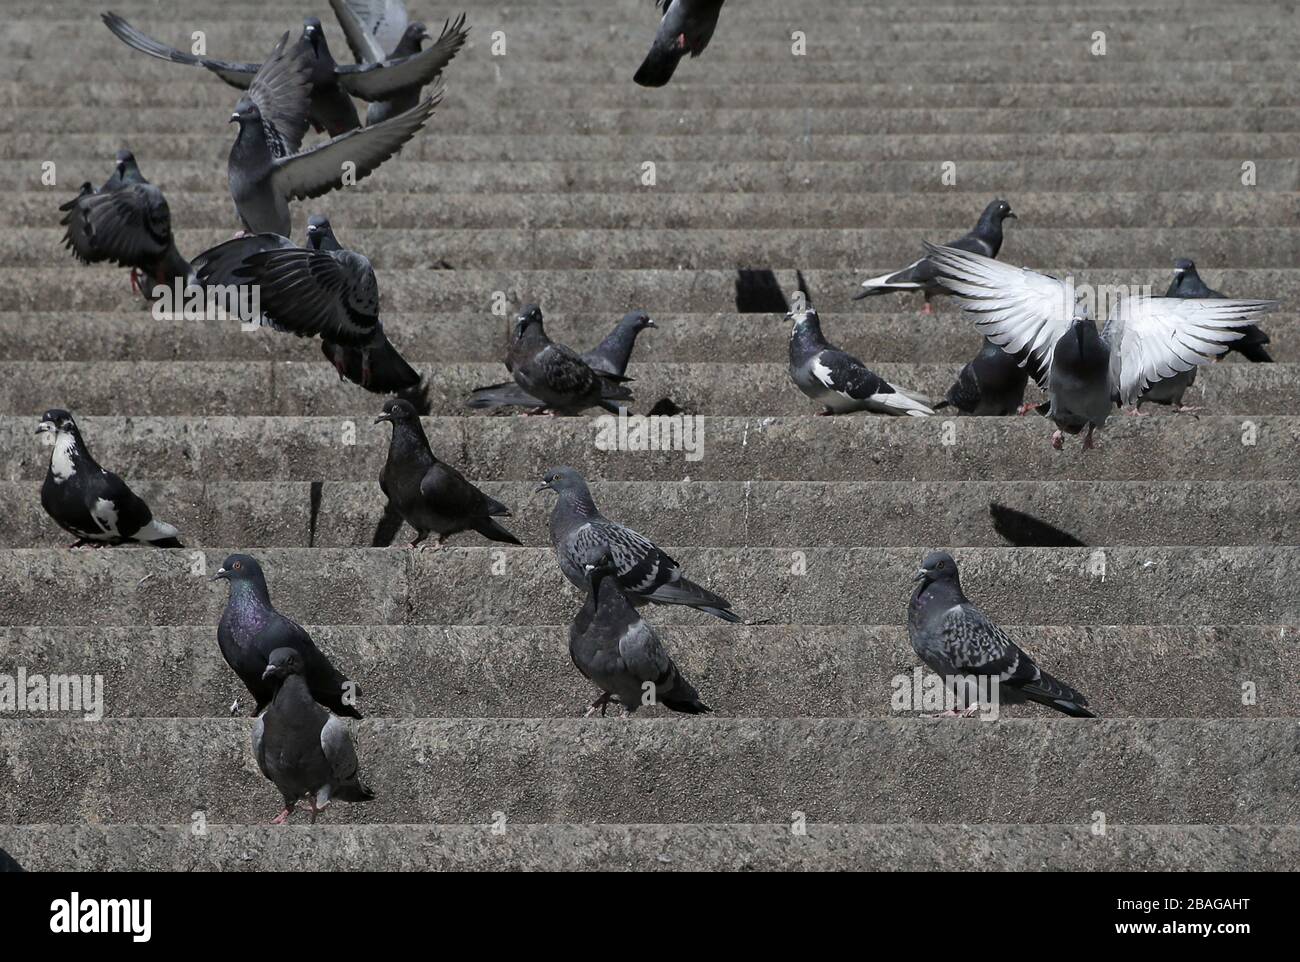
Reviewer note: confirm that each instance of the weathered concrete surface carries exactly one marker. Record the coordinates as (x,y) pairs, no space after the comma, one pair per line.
(653,848)
(695,769)
(760,671)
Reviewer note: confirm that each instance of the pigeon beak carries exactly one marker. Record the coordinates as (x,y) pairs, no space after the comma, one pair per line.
(270,670)
(234,118)
(650,322)
(45,427)
(221,573)
(1010,215)
(542,487)
(921,574)
(383,417)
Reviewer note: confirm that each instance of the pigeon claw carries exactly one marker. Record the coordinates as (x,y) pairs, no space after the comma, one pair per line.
(1088,442)
(601,702)
(283,817)
(1058,440)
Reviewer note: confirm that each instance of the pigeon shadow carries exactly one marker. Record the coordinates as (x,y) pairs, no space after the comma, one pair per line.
(759,292)
(1026,531)
(8,863)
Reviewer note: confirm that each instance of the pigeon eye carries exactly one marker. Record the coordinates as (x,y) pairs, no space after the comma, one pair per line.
(939,565)
(237,565)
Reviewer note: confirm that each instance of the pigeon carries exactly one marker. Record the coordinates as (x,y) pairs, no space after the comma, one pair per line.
(985,238)
(839,381)
(611,356)
(560,380)
(267,167)
(432,496)
(613,647)
(377,30)
(299,746)
(579,533)
(1188,283)
(331,85)
(686,27)
(251,629)
(89,502)
(1083,371)
(954,639)
(126,222)
(321,289)
(991,385)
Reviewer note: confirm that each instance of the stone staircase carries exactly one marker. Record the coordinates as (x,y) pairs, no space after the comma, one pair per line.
(1174,609)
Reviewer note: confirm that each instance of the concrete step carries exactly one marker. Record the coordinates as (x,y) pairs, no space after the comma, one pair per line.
(765,671)
(618,771)
(660,848)
(812,514)
(902,336)
(294,388)
(1173,447)
(523,586)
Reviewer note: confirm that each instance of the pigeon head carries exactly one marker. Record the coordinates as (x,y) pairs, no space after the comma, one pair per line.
(937,566)
(529,317)
(599,567)
(637,321)
(398,411)
(1183,266)
(241,569)
(313,33)
(318,229)
(57,421)
(562,481)
(999,210)
(283,663)
(804,322)
(125,161)
(246,112)
(412,39)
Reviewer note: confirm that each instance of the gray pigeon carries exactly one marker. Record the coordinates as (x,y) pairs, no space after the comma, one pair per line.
(1187,283)
(991,385)
(267,167)
(1085,372)
(839,382)
(985,238)
(89,502)
(580,533)
(320,290)
(378,30)
(432,496)
(126,222)
(332,85)
(251,629)
(554,374)
(300,747)
(614,648)
(954,639)
(686,27)
(611,356)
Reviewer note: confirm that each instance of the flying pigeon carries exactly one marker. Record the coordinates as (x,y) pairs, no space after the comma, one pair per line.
(379,29)
(1085,372)
(1187,283)
(560,380)
(580,533)
(268,168)
(89,502)
(838,381)
(321,289)
(126,222)
(332,85)
(992,384)
(299,746)
(985,238)
(613,647)
(432,496)
(954,639)
(611,356)
(686,27)
(251,629)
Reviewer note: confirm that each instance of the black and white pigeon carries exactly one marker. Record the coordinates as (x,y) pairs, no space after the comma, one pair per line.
(985,238)
(378,30)
(614,648)
(686,28)
(839,382)
(299,746)
(431,496)
(1086,372)
(610,356)
(991,385)
(268,167)
(251,629)
(332,85)
(955,639)
(89,502)
(126,222)
(579,534)
(318,290)
(558,377)
(1187,283)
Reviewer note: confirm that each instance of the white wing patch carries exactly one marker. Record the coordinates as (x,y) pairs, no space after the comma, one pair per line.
(105,514)
(61,458)
(883,279)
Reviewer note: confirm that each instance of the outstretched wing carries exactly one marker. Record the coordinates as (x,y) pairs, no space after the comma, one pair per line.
(372,27)
(130,226)
(309,292)
(381,80)
(282,91)
(232,72)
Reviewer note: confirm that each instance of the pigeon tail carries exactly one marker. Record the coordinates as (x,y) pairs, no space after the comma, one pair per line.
(657,68)
(159,534)
(695,707)
(688,593)
(506,394)
(887,283)
(488,528)
(355,792)
(1054,693)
